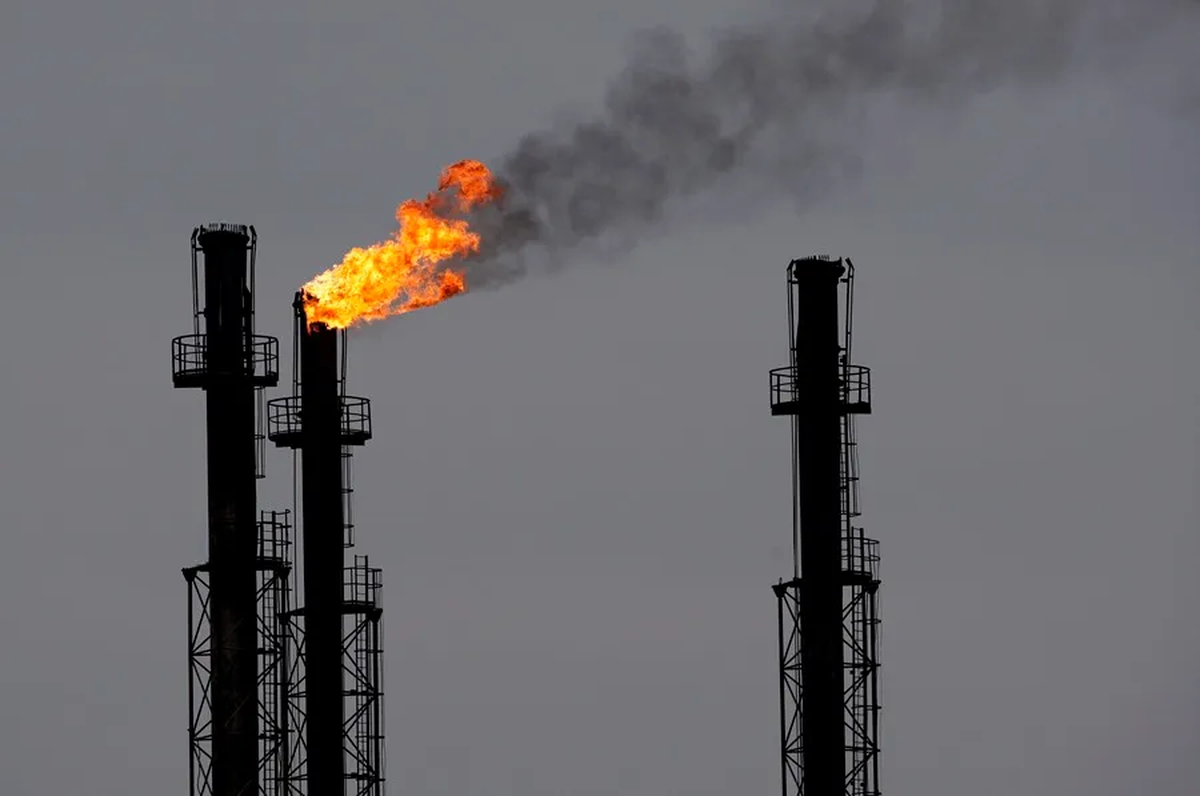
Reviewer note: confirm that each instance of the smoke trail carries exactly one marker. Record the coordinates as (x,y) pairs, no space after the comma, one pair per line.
(762,110)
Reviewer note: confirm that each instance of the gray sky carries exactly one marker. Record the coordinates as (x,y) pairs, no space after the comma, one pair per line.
(576,490)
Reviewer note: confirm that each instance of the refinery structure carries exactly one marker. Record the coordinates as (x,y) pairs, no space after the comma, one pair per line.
(285,635)
(285,631)
(827,609)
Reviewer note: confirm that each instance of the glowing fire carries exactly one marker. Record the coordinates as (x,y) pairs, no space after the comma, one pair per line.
(406,272)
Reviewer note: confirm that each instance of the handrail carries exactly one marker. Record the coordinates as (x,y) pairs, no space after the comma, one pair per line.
(362,582)
(189,356)
(860,553)
(284,416)
(854,385)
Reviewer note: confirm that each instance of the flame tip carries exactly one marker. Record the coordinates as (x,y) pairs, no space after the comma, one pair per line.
(405,273)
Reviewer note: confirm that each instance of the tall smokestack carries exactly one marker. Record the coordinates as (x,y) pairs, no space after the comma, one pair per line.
(324,530)
(818,441)
(323,423)
(827,610)
(229,362)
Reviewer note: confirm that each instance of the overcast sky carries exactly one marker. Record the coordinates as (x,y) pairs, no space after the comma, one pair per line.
(576,490)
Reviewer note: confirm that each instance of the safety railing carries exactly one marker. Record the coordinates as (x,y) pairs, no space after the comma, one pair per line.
(854,387)
(190,361)
(362,582)
(860,554)
(274,535)
(285,422)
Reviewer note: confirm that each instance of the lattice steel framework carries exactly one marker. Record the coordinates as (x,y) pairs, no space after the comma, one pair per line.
(273,598)
(828,612)
(362,660)
(292,776)
(362,656)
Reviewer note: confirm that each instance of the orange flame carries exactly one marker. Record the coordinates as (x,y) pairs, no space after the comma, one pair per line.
(404,273)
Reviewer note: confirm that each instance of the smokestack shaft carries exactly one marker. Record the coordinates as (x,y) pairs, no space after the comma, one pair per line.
(321,445)
(232,527)
(818,430)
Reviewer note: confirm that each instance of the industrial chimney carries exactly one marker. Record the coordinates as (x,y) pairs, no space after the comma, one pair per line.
(225,358)
(828,621)
(338,631)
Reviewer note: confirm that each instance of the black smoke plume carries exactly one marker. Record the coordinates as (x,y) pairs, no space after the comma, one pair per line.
(760,112)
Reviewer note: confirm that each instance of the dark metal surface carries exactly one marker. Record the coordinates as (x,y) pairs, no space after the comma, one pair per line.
(332,683)
(818,442)
(321,485)
(826,611)
(229,362)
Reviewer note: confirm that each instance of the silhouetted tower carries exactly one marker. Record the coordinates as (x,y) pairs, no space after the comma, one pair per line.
(232,365)
(334,686)
(828,621)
